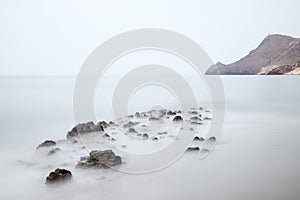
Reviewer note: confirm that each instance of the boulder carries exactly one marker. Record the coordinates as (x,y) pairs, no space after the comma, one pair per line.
(83,128)
(100,159)
(177,118)
(59,175)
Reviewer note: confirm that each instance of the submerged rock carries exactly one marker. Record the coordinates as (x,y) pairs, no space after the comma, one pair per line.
(46,143)
(83,128)
(59,175)
(100,159)
(53,151)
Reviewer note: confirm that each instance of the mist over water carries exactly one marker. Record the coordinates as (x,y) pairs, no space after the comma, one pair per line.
(260,141)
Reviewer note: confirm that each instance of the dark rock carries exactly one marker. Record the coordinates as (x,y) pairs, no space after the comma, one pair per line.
(84,128)
(193,112)
(130,124)
(196,118)
(132,130)
(154,119)
(207,118)
(155,138)
(106,135)
(196,138)
(47,143)
(212,139)
(171,113)
(193,149)
(53,151)
(145,136)
(123,146)
(177,118)
(137,114)
(59,175)
(100,159)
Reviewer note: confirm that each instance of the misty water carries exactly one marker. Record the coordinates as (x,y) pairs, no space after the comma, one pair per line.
(257,155)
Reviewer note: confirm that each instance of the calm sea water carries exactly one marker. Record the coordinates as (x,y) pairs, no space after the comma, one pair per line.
(259,149)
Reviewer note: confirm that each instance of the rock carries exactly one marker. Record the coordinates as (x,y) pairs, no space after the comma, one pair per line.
(46,143)
(145,136)
(53,151)
(154,119)
(171,113)
(193,112)
(132,130)
(100,159)
(196,118)
(212,139)
(59,175)
(196,138)
(137,114)
(207,118)
(130,124)
(83,128)
(106,135)
(177,118)
(193,149)
(102,123)
(155,138)
(123,146)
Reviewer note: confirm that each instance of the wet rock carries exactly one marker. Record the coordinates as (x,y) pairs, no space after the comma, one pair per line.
(171,113)
(207,118)
(132,130)
(53,151)
(196,122)
(58,176)
(162,133)
(145,136)
(197,138)
(154,119)
(46,143)
(100,159)
(191,129)
(137,114)
(155,138)
(212,139)
(196,118)
(177,118)
(193,149)
(130,124)
(83,128)
(106,135)
(193,112)
(102,123)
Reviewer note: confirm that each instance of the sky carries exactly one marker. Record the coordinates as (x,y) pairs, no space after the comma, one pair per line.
(55,37)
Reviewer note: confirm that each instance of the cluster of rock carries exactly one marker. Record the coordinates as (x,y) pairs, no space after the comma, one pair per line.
(99,160)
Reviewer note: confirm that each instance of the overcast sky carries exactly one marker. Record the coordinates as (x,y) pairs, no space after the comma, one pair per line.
(55,37)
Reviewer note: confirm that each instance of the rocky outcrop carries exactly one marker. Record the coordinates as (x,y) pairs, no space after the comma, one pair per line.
(100,159)
(84,128)
(280,51)
(58,176)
